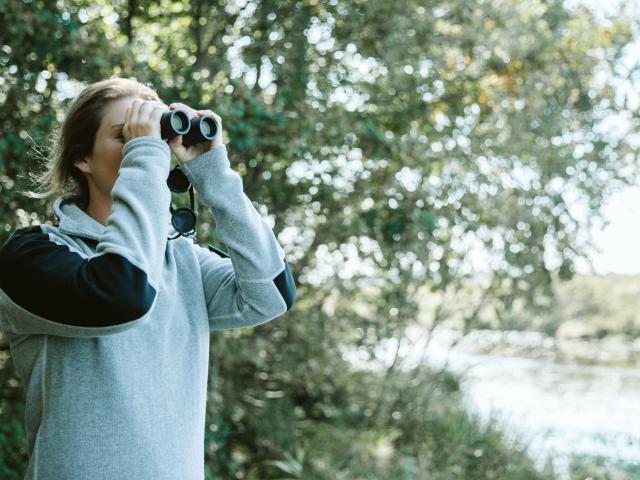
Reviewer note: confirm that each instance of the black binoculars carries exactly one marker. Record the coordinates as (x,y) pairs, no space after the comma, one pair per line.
(199,129)
(176,122)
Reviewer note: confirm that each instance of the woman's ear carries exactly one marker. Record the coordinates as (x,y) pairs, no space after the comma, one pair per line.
(83,165)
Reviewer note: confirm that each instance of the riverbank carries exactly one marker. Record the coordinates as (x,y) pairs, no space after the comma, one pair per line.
(581,420)
(609,351)
(570,400)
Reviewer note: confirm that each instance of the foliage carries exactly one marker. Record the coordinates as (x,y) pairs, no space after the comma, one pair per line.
(598,468)
(383,139)
(587,306)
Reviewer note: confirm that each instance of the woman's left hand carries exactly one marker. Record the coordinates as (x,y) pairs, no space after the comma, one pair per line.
(184,154)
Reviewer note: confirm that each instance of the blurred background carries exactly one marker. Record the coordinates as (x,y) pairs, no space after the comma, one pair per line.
(455,184)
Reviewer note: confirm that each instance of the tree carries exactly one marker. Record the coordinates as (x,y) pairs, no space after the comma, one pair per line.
(382,138)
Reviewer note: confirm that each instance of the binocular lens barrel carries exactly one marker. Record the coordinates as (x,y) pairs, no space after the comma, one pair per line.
(208,128)
(202,129)
(199,129)
(173,123)
(178,123)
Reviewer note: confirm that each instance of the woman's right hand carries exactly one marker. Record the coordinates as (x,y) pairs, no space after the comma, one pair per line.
(143,119)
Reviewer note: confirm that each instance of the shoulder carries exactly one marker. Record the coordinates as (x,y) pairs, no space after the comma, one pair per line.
(32,244)
(22,235)
(17,254)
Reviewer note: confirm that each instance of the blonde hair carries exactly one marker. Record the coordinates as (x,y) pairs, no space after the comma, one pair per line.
(75,139)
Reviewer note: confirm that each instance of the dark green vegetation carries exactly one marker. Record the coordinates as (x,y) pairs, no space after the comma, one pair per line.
(466,119)
(602,469)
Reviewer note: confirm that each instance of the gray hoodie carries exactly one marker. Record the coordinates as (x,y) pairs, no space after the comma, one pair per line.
(109,325)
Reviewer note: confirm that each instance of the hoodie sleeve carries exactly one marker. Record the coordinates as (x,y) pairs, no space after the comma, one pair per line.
(47,287)
(254,285)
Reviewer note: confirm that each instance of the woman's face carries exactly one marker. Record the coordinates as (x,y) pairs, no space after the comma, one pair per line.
(102,166)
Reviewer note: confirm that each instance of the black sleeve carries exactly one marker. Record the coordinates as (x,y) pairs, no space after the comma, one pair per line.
(284,281)
(49,288)
(286,285)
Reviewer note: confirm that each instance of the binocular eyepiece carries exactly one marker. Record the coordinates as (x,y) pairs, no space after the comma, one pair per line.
(197,130)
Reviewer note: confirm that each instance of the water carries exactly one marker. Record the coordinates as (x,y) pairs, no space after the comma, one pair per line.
(559,410)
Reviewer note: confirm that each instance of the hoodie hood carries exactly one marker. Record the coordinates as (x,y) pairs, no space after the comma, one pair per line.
(76,222)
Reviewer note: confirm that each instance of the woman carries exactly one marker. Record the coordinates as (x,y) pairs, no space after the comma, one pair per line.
(108,320)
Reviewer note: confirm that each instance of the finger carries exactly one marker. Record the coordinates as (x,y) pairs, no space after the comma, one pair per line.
(209,112)
(125,128)
(130,119)
(160,106)
(135,116)
(156,113)
(156,104)
(147,107)
(181,106)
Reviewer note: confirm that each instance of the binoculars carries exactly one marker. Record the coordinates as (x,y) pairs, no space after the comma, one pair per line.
(176,122)
(197,130)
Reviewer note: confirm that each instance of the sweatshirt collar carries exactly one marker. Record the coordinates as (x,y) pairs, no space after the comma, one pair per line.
(74,220)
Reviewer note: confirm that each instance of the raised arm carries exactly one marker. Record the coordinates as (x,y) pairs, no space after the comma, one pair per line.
(254,285)
(47,287)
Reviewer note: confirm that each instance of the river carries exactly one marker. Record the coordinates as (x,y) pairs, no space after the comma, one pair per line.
(559,410)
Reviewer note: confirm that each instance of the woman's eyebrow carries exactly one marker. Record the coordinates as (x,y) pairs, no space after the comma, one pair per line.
(117,125)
